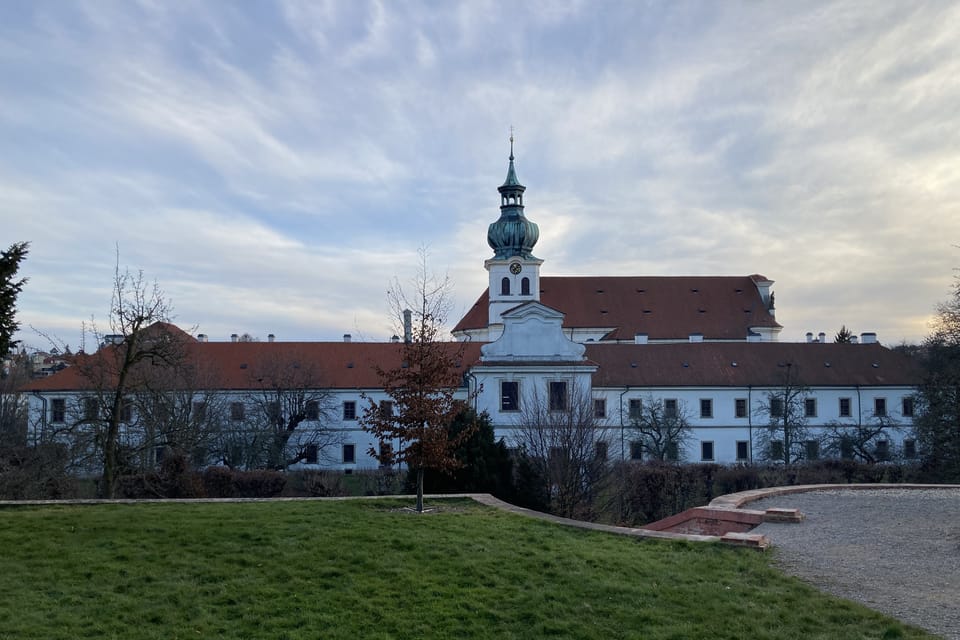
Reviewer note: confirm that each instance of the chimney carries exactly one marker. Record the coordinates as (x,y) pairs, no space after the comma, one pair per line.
(395,339)
(822,337)
(809,336)
(696,337)
(854,339)
(201,337)
(347,337)
(640,338)
(407,326)
(271,337)
(868,338)
(234,337)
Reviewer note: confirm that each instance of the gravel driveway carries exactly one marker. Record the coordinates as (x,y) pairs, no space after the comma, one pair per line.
(895,550)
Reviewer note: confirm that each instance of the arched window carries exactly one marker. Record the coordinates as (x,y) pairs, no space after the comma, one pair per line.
(505,287)
(525,287)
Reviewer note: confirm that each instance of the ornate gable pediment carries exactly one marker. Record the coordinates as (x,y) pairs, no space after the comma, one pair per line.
(532,332)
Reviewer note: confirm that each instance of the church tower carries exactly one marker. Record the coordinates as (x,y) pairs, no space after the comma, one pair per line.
(514,270)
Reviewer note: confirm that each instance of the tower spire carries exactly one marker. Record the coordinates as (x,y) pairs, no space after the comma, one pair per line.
(512,235)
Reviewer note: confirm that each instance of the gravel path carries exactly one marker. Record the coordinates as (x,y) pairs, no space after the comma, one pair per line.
(895,550)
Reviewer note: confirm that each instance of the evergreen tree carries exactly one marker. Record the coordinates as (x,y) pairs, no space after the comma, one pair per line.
(843,336)
(9,289)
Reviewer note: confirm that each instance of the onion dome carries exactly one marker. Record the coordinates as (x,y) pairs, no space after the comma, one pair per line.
(512,235)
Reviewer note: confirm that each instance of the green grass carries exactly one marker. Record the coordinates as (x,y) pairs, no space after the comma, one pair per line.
(364,569)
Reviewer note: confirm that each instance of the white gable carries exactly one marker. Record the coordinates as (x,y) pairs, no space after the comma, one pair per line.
(533,332)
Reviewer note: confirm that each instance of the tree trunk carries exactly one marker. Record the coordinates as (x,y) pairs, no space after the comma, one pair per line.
(420,490)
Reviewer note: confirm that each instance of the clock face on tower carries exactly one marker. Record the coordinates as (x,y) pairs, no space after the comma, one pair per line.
(516,268)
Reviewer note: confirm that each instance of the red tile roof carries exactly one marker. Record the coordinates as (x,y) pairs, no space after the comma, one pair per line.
(663,307)
(743,364)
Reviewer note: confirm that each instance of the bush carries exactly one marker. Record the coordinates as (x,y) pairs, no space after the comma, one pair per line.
(35,473)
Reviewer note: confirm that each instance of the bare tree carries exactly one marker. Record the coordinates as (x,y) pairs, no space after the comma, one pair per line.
(560,438)
(285,419)
(423,388)
(659,428)
(786,437)
(866,441)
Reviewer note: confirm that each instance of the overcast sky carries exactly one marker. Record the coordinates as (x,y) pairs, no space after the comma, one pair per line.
(274,164)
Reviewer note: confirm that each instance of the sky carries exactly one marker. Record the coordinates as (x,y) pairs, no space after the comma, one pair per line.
(273,166)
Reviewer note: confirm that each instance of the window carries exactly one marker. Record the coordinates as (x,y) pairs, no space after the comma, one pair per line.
(846,448)
(600,450)
(776,449)
(910,449)
(349,454)
(811,450)
(673,452)
(743,450)
(505,287)
(90,409)
(386,408)
(558,396)
(349,410)
(509,395)
(310,454)
(237,411)
(273,412)
(126,412)
(636,408)
(810,407)
(906,409)
(776,407)
(525,287)
(670,408)
(883,450)
(58,410)
(599,407)
(386,454)
(636,450)
(706,450)
(740,407)
(706,408)
(199,410)
(312,410)
(844,407)
(880,407)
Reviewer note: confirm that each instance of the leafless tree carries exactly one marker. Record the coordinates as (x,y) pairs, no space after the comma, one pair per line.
(868,440)
(561,439)
(659,428)
(786,437)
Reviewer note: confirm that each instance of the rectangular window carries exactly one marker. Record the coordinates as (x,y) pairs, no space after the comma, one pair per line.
(126,412)
(199,411)
(349,454)
(846,448)
(910,449)
(844,407)
(810,407)
(776,449)
(558,396)
(706,408)
(237,411)
(636,408)
(743,450)
(740,407)
(673,452)
(349,410)
(386,408)
(670,408)
(312,410)
(706,450)
(601,450)
(880,407)
(811,449)
(883,450)
(776,407)
(58,410)
(906,410)
(273,412)
(509,395)
(311,454)
(385,454)
(636,450)
(90,409)
(600,408)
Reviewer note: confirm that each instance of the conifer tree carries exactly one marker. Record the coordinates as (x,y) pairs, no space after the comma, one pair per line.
(9,289)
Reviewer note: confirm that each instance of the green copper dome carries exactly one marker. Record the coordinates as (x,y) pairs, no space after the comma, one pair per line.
(512,235)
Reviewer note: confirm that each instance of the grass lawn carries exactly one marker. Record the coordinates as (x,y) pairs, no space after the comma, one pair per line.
(367,569)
